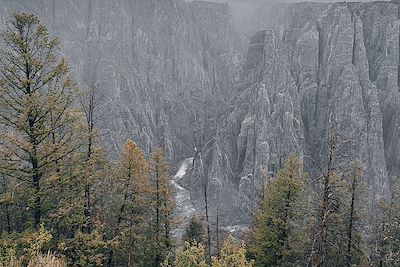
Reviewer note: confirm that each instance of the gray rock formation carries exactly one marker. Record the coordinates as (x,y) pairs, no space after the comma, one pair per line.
(156,62)
(326,66)
(263,127)
(173,75)
(357,69)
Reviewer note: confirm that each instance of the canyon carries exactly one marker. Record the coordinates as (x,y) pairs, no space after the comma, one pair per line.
(178,75)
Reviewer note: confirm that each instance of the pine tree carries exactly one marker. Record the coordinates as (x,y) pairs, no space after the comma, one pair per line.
(278,218)
(79,237)
(164,204)
(77,215)
(95,160)
(131,201)
(194,232)
(36,114)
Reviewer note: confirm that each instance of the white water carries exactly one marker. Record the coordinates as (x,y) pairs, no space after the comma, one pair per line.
(183,168)
(184,208)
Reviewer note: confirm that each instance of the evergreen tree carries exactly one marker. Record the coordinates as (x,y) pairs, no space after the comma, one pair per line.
(93,155)
(163,204)
(78,213)
(278,218)
(131,206)
(84,249)
(36,114)
(194,232)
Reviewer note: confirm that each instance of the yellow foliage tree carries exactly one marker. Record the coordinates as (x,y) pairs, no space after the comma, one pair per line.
(37,116)
(191,256)
(163,204)
(232,255)
(26,250)
(131,190)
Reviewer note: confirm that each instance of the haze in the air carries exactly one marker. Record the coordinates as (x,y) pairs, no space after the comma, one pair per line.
(249,16)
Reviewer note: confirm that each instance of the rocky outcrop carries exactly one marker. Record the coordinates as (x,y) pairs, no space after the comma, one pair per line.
(323,68)
(341,90)
(263,127)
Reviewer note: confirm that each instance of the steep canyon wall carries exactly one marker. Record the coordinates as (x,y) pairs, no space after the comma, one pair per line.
(173,75)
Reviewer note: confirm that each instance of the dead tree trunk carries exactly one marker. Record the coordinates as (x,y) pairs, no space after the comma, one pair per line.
(205,188)
(325,202)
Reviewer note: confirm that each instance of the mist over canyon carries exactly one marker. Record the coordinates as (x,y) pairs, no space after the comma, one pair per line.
(237,96)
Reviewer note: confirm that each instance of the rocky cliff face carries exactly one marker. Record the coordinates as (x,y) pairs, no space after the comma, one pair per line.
(323,69)
(156,62)
(339,84)
(172,76)
(353,77)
